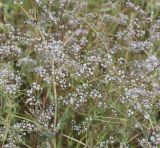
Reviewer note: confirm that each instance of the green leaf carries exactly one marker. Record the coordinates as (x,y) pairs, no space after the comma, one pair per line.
(63,120)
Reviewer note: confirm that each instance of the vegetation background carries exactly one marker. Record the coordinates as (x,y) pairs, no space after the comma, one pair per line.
(79,73)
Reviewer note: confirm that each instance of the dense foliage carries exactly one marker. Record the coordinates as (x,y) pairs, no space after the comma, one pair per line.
(79,73)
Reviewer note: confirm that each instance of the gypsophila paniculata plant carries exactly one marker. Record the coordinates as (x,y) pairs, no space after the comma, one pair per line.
(79,73)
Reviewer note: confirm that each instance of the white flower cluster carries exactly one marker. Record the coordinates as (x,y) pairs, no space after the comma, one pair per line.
(79,128)
(42,72)
(9,50)
(9,80)
(25,127)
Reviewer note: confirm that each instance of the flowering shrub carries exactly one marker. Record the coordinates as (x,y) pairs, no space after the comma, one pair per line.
(79,73)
